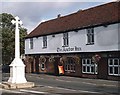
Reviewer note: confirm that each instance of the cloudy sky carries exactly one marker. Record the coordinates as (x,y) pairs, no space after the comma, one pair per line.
(33,13)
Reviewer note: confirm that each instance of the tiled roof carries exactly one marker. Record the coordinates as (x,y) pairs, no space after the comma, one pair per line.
(100,15)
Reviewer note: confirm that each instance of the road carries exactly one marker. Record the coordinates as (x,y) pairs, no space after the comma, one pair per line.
(64,85)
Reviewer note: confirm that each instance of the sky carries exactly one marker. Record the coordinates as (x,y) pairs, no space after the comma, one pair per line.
(33,12)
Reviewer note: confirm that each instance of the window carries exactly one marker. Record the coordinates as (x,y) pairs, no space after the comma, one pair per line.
(42,66)
(114,66)
(31,43)
(90,36)
(70,65)
(44,41)
(88,66)
(65,39)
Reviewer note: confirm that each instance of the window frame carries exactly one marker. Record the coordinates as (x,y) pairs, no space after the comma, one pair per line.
(113,66)
(90,65)
(70,65)
(90,36)
(31,43)
(42,66)
(44,41)
(65,39)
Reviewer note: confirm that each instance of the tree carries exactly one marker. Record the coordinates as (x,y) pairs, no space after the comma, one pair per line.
(8,38)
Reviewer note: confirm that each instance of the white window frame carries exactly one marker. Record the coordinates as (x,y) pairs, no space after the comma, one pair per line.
(31,43)
(44,41)
(70,65)
(65,39)
(42,65)
(90,36)
(90,65)
(113,66)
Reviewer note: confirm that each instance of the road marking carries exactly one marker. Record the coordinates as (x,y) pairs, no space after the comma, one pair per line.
(110,85)
(88,91)
(22,91)
(65,89)
(50,87)
(83,91)
(61,88)
(63,80)
(31,91)
(99,84)
(10,91)
(89,83)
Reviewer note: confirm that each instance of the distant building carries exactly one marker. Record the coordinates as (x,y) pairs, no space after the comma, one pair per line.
(85,43)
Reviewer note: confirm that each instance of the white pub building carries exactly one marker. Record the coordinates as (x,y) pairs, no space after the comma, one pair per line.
(85,43)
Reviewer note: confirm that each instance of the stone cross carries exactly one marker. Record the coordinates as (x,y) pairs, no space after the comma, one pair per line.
(17,67)
(17,22)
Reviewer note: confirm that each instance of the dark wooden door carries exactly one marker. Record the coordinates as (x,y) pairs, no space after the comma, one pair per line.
(103,69)
(32,67)
(56,71)
(37,65)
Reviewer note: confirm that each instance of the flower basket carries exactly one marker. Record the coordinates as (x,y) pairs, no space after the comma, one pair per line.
(77,59)
(42,59)
(96,58)
(63,59)
(30,59)
(51,59)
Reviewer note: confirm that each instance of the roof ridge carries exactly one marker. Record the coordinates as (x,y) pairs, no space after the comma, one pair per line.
(102,14)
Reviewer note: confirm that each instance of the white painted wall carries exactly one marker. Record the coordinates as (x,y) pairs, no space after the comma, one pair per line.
(106,39)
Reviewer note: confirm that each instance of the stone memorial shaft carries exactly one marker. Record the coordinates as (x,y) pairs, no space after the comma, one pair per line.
(17,67)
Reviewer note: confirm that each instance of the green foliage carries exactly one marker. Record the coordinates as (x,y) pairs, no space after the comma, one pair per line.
(8,38)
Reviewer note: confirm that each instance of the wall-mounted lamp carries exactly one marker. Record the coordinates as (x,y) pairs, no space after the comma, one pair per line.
(53,35)
(105,25)
(76,30)
(36,37)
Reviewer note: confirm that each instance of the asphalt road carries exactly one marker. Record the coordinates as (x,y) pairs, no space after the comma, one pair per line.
(63,85)
(77,84)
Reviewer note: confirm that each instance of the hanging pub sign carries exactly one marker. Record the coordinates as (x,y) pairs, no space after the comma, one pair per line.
(96,58)
(42,59)
(51,59)
(68,49)
(61,70)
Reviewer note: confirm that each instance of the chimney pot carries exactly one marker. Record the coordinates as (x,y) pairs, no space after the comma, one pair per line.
(59,15)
